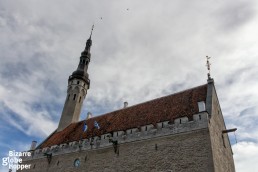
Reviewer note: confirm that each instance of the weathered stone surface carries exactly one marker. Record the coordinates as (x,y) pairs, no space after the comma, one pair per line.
(180,152)
(221,148)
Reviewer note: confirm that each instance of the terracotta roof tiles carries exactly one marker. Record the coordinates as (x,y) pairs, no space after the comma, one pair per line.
(165,108)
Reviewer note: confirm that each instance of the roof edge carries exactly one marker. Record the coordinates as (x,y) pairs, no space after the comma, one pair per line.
(144,102)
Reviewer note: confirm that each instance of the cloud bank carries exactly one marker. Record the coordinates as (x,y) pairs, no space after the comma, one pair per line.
(141,50)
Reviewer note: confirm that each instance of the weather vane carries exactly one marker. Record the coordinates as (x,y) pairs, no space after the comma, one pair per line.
(208,64)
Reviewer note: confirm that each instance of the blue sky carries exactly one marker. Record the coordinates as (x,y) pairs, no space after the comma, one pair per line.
(154,48)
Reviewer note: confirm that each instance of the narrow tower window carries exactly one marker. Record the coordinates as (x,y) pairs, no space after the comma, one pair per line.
(74,96)
(80,99)
(78,82)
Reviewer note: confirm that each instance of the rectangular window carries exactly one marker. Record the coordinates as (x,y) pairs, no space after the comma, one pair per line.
(74,96)
(201,106)
(78,82)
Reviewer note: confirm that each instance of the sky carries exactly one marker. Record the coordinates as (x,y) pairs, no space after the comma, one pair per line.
(141,50)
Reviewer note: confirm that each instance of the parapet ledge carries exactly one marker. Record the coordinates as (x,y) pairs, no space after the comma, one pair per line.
(179,125)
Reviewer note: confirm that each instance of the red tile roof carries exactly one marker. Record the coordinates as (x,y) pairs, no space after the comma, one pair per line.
(165,108)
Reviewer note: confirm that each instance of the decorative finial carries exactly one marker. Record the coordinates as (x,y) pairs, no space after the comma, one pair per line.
(208,64)
(89,42)
(91,30)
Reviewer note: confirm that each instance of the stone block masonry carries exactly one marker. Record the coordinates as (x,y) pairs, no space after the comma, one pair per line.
(185,152)
(175,147)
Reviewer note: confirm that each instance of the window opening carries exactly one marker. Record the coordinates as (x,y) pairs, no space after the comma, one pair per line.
(74,96)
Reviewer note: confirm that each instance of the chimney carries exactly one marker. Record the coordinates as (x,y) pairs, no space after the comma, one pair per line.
(89,115)
(33,145)
(125,104)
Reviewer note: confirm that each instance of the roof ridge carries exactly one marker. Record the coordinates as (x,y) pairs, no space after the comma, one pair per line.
(164,108)
(143,103)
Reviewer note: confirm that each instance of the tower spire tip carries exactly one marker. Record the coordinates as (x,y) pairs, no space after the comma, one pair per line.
(91,30)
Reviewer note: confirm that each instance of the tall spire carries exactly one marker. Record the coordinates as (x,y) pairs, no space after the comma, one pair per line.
(89,41)
(78,85)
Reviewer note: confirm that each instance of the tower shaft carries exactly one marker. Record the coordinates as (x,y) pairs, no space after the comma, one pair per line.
(78,84)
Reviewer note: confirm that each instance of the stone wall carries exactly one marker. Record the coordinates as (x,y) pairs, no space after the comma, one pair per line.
(189,151)
(221,148)
(179,146)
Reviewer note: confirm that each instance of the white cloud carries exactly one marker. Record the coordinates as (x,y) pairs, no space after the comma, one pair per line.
(4,168)
(245,156)
(151,49)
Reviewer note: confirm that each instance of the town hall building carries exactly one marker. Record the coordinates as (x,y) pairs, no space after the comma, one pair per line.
(180,132)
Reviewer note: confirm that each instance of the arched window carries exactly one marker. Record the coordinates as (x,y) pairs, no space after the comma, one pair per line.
(74,96)
(80,99)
